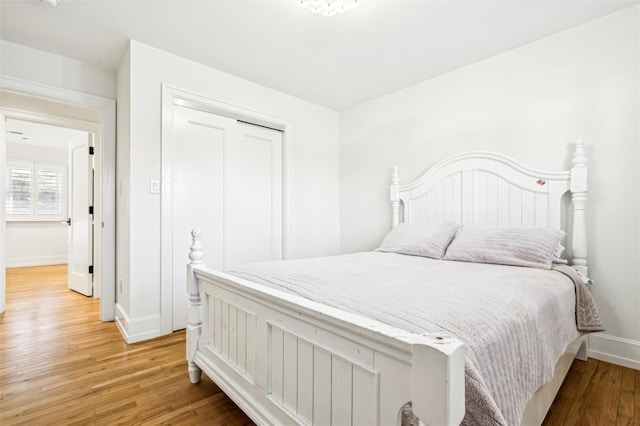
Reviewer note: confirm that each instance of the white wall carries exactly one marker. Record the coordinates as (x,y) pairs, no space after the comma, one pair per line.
(315,169)
(26,63)
(36,243)
(530,103)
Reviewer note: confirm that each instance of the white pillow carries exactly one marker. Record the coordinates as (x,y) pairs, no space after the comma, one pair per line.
(420,239)
(532,247)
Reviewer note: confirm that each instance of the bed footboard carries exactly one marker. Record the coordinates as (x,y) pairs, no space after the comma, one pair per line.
(287,360)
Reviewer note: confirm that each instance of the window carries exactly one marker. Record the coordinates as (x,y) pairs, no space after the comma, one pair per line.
(35,191)
(19,178)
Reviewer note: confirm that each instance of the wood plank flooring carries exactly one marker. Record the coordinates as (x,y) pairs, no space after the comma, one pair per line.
(61,366)
(597,393)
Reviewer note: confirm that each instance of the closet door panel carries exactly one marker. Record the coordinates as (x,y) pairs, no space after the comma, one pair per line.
(198,143)
(253,196)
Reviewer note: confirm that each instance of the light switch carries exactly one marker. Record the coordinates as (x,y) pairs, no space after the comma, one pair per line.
(155,186)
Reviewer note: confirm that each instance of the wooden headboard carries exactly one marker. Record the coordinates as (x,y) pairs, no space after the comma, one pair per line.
(485,188)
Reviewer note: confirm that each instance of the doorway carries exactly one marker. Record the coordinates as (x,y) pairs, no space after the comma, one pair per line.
(49,197)
(42,104)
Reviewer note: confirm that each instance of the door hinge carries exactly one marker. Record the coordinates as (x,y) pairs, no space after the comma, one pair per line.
(91,269)
(91,150)
(90,209)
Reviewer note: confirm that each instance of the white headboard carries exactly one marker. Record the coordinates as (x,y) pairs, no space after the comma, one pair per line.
(484,188)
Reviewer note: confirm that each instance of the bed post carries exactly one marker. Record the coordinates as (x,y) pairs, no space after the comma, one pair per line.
(395,197)
(438,380)
(194,325)
(579,201)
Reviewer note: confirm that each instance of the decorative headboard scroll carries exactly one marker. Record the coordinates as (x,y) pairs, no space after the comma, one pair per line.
(485,188)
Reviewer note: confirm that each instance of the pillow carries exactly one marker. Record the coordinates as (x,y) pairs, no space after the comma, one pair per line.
(420,239)
(532,247)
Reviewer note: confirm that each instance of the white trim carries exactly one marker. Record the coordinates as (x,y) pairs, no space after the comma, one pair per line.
(105,230)
(3,225)
(191,100)
(52,120)
(52,92)
(20,262)
(616,350)
(137,329)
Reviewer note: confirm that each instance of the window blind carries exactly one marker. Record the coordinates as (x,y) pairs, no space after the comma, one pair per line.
(35,191)
(50,190)
(19,179)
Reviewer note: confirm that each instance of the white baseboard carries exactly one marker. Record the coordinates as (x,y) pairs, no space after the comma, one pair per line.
(616,350)
(19,262)
(137,329)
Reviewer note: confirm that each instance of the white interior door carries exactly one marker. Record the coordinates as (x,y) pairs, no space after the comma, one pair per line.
(80,220)
(226,179)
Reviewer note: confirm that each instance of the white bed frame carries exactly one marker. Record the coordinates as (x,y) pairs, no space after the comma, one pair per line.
(286,360)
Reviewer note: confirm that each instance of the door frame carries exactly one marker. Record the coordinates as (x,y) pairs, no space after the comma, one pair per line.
(3,231)
(104,184)
(171,97)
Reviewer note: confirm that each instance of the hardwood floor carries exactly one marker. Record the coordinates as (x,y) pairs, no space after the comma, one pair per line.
(597,393)
(61,366)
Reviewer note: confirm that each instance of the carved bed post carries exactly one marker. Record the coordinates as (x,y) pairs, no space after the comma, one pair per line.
(579,201)
(194,325)
(395,197)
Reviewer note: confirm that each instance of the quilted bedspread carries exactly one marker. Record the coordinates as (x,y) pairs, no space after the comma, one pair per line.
(515,321)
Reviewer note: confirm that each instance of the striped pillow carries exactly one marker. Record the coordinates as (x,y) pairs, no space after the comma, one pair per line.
(532,247)
(420,239)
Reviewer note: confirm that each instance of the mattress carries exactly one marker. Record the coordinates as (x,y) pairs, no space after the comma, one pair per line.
(515,321)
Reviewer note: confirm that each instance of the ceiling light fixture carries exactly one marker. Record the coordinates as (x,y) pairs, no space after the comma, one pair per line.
(328,7)
(51,3)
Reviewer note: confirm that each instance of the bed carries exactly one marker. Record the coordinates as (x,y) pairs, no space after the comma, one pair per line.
(286,358)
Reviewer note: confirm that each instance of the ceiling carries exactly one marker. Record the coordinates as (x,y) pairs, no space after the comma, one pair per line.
(25,133)
(337,62)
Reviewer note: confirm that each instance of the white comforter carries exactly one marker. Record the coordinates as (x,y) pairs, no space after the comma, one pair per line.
(515,321)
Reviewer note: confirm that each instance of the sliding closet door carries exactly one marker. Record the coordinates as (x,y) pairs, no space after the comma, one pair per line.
(226,179)
(253,196)
(198,143)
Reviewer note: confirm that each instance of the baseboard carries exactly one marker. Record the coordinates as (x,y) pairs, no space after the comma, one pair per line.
(20,262)
(616,350)
(137,329)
